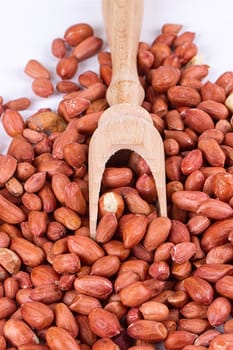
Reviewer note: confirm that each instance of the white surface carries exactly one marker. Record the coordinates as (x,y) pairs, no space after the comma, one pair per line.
(28,27)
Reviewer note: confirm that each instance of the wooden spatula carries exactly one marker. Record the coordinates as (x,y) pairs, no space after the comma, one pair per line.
(125,124)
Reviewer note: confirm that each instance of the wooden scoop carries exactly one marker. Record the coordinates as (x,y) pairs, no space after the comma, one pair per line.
(124,125)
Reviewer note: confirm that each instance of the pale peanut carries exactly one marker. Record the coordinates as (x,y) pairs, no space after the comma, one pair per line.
(35,69)
(42,87)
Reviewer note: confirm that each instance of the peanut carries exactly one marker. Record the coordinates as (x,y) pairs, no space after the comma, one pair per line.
(37,315)
(104,323)
(58,337)
(35,70)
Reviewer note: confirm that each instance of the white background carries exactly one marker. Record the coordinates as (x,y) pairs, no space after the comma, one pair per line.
(27,28)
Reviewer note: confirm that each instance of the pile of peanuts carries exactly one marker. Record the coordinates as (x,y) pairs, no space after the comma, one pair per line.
(147,281)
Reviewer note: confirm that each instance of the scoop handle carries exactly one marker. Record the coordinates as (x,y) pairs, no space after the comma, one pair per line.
(123,20)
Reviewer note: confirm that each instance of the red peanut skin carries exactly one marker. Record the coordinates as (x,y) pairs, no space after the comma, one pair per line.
(157,232)
(189,200)
(221,340)
(216,234)
(199,289)
(13,330)
(104,323)
(58,338)
(179,339)
(219,311)
(192,161)
(65,319)
(197,119)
